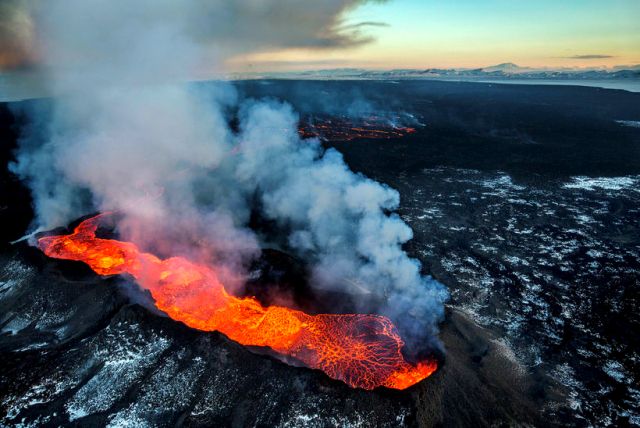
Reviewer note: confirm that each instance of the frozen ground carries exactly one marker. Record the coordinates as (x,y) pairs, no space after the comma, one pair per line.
(554,266)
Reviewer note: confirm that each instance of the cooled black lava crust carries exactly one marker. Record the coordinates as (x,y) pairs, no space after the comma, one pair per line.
(524,201)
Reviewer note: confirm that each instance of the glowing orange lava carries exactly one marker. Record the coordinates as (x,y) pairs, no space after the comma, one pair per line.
(341,129)
(360,350)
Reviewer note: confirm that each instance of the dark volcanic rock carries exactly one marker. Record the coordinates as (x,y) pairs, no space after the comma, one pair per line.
(524,201)
(74,350)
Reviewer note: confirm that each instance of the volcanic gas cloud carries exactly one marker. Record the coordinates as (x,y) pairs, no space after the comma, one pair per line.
(363,351)
(198,170)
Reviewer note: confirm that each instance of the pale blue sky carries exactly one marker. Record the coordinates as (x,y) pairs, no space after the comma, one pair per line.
(470,33)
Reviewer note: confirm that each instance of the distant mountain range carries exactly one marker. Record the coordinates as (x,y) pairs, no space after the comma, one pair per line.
(506,71)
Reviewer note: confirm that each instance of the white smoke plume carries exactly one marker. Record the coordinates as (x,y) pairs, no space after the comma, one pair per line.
(126,137)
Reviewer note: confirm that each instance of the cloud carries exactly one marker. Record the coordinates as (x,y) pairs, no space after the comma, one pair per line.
(16,35)
(221,28)
(289,65)
(365,24)
(590,56)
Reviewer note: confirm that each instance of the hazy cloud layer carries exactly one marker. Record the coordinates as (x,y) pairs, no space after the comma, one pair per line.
(219,28)
(17,38)
(591,56)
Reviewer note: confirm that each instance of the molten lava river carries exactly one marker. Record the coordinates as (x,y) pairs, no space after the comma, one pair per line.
(363,351)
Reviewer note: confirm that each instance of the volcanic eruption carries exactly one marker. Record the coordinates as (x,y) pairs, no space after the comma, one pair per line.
(127,136)
(363,351)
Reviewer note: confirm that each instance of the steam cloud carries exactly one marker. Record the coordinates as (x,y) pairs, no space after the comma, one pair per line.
(163,155)
(16,35)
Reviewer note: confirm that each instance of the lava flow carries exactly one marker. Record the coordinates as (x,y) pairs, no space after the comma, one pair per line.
(363,351)
(338,129)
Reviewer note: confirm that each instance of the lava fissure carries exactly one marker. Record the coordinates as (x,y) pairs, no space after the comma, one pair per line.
(361,350)
(344,129)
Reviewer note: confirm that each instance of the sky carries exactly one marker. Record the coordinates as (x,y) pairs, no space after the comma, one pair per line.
(476,33)
(280,35)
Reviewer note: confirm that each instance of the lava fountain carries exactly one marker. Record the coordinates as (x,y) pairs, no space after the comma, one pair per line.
(364,351)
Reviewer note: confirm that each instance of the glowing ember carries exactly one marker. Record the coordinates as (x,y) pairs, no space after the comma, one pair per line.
(344,129)
(360,350)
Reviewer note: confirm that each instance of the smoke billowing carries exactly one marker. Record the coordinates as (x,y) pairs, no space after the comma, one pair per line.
(124,136)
